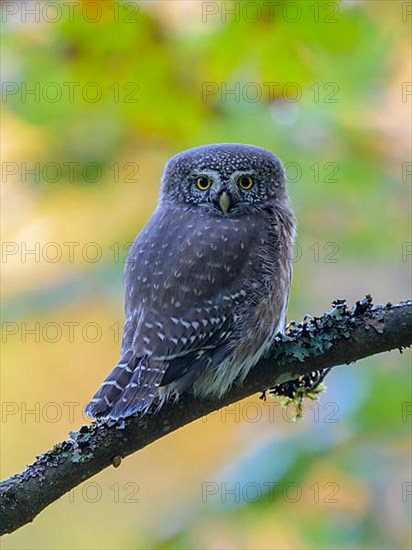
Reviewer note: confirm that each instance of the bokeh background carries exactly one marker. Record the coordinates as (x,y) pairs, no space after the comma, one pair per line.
(96,97)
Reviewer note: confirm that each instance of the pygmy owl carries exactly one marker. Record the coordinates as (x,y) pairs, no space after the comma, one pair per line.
(207,280)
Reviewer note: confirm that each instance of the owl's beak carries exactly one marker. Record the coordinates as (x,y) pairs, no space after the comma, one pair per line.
(224,202)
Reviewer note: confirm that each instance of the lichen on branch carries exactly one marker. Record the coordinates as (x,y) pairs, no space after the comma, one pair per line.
(340,336)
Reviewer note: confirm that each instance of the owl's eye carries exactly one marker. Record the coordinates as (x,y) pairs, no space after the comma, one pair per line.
(203,183)
(245,182)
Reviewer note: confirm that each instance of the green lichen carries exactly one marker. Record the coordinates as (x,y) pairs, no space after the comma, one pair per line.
(312,338)
(297,401)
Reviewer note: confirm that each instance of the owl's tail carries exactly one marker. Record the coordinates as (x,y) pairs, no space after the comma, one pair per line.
(131,387)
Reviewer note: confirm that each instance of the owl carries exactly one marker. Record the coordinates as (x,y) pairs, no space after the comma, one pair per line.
(206,282)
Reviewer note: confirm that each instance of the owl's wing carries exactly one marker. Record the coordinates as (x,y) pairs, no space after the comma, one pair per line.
(183,279)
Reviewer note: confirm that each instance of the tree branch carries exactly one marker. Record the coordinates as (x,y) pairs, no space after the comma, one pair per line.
(340,336)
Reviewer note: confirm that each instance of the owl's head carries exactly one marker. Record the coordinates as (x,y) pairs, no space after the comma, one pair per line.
(226,178)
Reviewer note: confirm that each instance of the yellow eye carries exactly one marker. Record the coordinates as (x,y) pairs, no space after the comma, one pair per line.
(203,183)
(246,182)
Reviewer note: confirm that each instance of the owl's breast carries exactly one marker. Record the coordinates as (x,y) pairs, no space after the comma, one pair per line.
(186,258)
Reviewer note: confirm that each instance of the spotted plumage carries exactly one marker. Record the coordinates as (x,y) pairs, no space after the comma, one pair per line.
(206,282)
